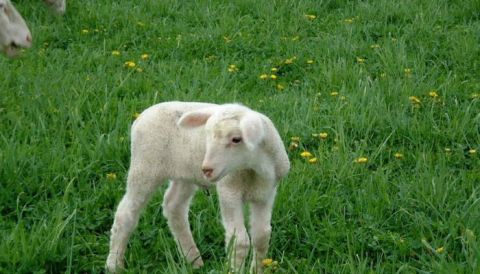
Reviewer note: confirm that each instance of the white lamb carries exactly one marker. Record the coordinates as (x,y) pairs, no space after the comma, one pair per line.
(199,144)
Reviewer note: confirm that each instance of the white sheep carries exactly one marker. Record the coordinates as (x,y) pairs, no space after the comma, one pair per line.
(198,144)
(14,32)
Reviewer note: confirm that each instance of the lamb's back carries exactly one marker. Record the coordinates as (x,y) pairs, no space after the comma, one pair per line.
(158,141)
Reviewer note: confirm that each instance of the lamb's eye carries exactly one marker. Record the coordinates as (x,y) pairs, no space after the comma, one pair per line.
(236,140)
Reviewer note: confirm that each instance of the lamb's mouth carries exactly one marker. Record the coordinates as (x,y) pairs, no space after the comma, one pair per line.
(12,49)
(216,178)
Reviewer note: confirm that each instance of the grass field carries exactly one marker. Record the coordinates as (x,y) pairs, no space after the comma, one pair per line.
(385,95)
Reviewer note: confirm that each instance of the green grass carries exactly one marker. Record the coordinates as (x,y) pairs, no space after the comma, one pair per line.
(67,103)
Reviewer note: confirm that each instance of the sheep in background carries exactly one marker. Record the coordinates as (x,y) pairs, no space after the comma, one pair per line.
(198,144)
(14,33)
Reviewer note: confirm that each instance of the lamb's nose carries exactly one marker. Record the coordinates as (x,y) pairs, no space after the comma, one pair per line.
(207,171)
(29,39)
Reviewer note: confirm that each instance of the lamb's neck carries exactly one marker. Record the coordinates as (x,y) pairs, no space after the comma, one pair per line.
(263,166)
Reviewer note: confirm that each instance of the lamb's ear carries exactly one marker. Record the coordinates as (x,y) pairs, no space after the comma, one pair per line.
(253,131)
(195,118)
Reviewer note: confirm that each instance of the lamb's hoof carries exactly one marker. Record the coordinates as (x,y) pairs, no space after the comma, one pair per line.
(197,263)
(113,265)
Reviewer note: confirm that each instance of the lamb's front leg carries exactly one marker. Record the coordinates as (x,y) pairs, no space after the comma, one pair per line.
(231,206)
(176,203)
(260,231)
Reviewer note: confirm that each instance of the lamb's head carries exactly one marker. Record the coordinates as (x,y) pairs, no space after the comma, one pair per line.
(14,33)
(234,135)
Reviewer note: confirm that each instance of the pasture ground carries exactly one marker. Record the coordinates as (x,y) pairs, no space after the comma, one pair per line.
(392,184)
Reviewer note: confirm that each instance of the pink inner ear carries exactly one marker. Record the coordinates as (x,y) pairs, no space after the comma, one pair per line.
(194,119)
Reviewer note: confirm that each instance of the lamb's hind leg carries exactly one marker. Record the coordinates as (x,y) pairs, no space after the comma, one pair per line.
(175,208)
(140,186)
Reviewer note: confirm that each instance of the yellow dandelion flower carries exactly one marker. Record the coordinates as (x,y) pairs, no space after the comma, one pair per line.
(136,115)
(280,87)
(130,64)
(273,77)
(111,176)
(334,93)
(306,154)
(433,94)
(472,151)
(211,58)
(267,262)
(361,160)
(375,46)
(313,160)
(295,139)
(323,135)
(232,68)
(263,76)
(144,56)
(398,155)
(440,250)
(407,71)
(293,146)
(310,62)
(116,53)
(415,100)
(85,31)
(274,69)
(361,60)
(310,17)
(348,20)
(290,60)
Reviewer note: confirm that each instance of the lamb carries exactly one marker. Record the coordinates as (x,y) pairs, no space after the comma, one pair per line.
(194,145)
(14,32)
